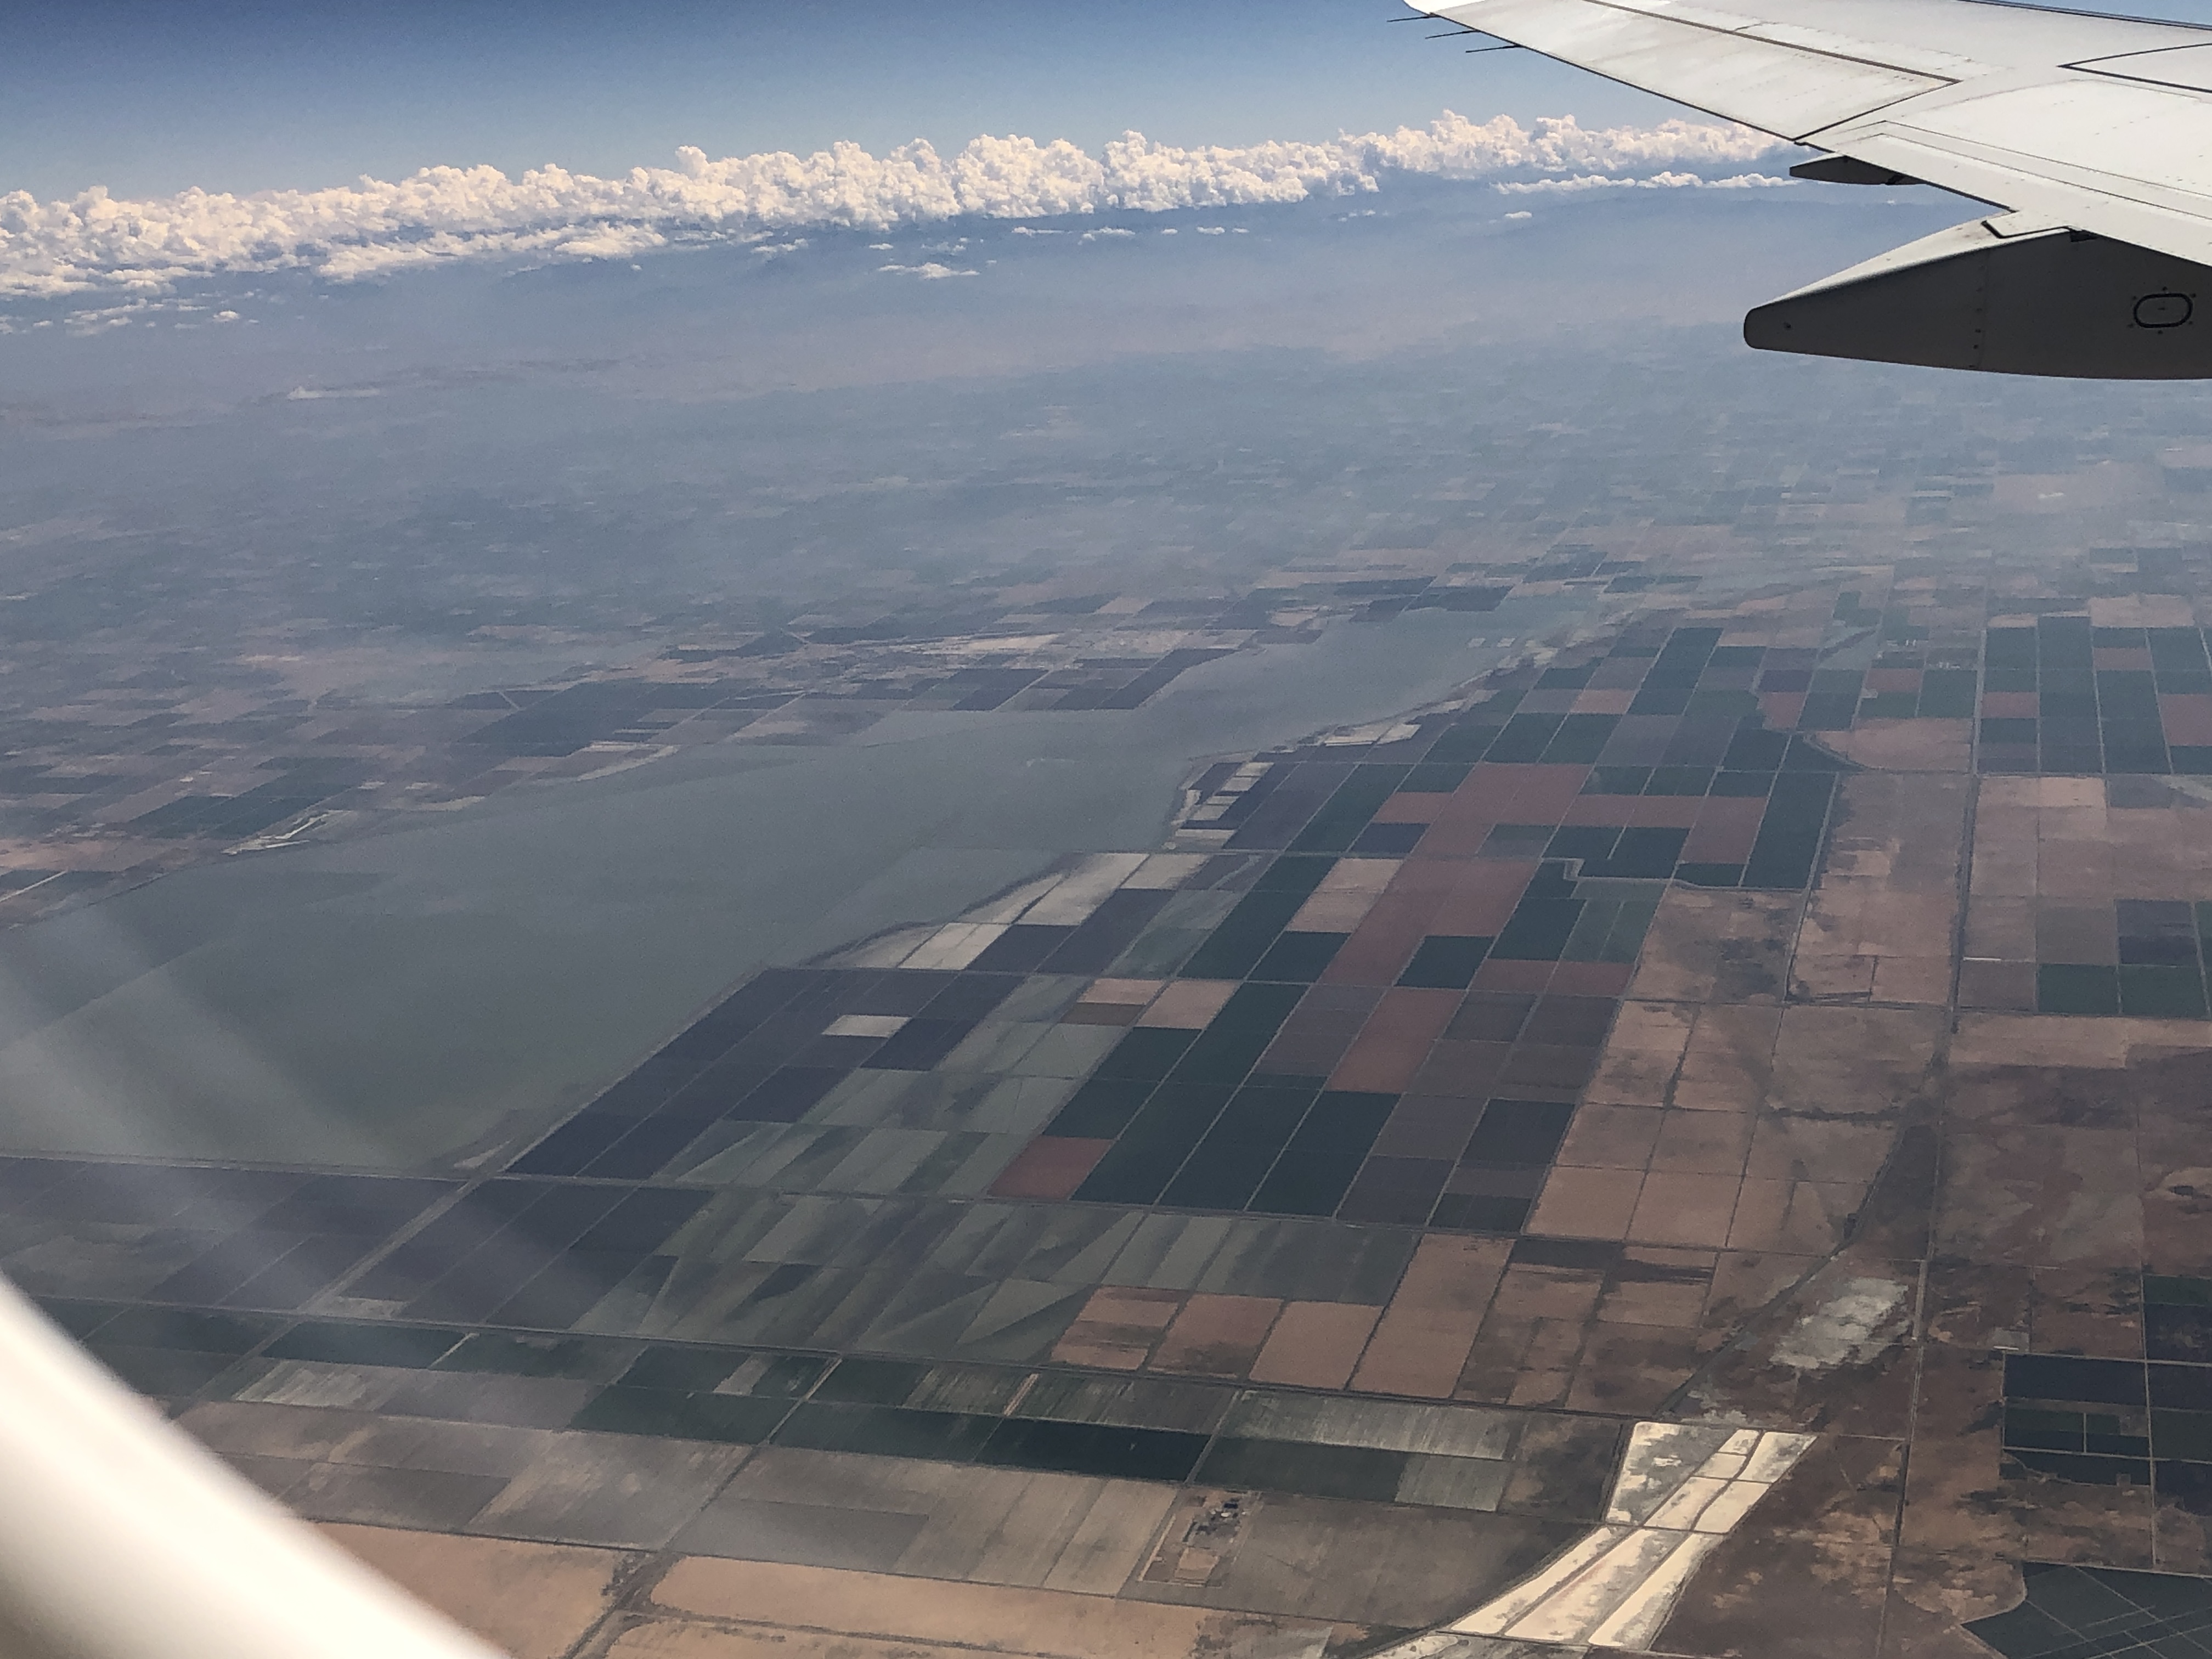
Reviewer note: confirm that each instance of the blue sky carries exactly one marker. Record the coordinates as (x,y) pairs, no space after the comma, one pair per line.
(150,97)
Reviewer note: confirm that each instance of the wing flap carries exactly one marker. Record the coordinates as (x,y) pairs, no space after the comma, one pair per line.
(2171,66)
(2105,132)
(2132,163)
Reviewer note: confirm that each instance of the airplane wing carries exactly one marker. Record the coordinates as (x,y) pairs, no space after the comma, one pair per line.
(2095,132)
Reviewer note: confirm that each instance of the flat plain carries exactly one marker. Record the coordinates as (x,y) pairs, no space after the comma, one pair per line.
(1687,1141)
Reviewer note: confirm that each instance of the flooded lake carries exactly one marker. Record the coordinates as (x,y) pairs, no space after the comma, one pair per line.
(422,995)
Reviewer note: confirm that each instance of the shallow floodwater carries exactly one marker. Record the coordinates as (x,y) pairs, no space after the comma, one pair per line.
(425,994)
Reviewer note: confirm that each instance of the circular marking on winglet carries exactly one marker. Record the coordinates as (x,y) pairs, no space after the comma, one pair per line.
(2167,310)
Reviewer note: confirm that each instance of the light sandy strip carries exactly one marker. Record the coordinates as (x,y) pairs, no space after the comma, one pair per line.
(889,951)
(1681,1488)
(954,945)
(1010,908)
(1164,870)
(1573,1610)
(1083,889)
(1064,900)
(1635,1623)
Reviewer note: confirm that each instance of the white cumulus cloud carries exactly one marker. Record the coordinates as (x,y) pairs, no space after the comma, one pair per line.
(94,241)
(929,271)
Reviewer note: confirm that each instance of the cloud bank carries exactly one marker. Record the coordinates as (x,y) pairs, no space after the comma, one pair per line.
(1583,184)
(443,214)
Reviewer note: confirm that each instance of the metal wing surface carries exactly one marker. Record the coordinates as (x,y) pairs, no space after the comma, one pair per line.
(2098,126)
